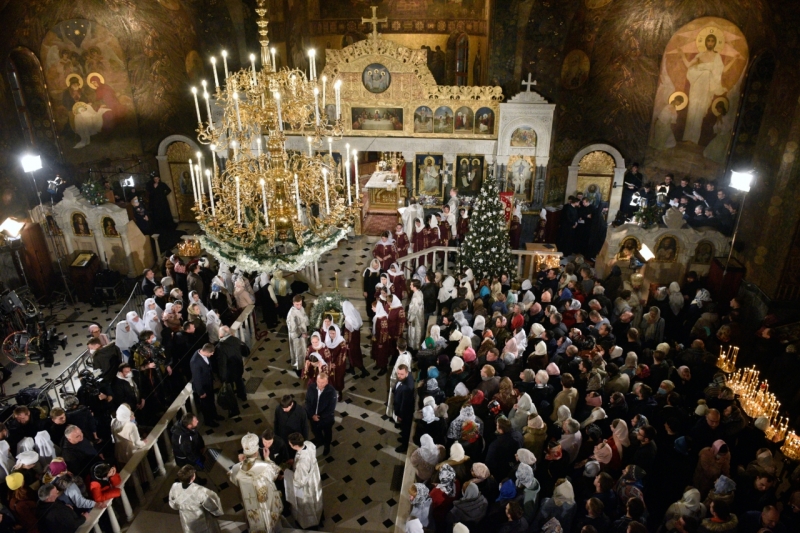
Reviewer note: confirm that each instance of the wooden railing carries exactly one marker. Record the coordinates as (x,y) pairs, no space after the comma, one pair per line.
(244,328)
(129,472)
(529,262)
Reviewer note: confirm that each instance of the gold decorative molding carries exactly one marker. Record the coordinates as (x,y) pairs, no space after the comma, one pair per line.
(597,163)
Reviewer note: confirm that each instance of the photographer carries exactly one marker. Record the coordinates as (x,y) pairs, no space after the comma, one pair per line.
(149,358)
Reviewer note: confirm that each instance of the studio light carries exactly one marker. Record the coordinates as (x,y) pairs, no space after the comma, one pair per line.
(12,228)
(741,180)
(53,185)
(31,163)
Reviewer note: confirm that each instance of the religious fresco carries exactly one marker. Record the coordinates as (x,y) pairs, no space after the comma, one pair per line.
(109,227)
(423,120)
(85,69)
(628,248)
(464,120)
(469,174)
(80,228)
(404,9)
(443,120)
(376,78)
(377,118)
(700,82)
(704,253)
(521,171)
(484,121)
(575,70)
(523,137)
(428,170)
(666,249)
(52,226)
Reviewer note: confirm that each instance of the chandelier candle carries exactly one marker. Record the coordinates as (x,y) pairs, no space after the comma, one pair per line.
(210,190)
(347,173)
(238,114)
(216,77)
(264,197)
(310,151)
(316,105)
(194,184)
(238,202)
(297,195)
(253,63)
(330,148)
(312,64)
(278,104)
(324,85)
(208,110)
(355,160)
(337,87)
(197,105)
(225,63)
(327,196)
(274,64)
(200,172)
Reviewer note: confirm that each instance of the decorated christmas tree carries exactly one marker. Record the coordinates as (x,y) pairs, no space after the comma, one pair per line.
(487,249)
(94,192)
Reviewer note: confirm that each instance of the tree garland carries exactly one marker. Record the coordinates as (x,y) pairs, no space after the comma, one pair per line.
(326,302)
(94,192)
(647,216)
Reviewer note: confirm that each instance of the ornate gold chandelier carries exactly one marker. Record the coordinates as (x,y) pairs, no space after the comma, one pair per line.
(268,209)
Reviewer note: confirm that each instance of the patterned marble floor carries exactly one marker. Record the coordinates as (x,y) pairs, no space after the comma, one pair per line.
(358,473)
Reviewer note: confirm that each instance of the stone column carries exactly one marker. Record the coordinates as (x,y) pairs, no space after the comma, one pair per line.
(616,192)
(572,181)
(126,247)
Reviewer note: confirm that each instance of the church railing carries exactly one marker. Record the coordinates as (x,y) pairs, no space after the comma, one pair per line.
(529,262)
(244,328)
(130,471)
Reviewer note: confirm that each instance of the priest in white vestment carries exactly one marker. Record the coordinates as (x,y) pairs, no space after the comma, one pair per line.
(256,481)
(297,324)
(303,485)
(416,316)
(197,506)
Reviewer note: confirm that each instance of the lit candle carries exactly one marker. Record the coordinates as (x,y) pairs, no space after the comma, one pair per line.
(253,63)
(197,105)
(316,104)
(238,202)
(258,143)
(264,197)
(330,147)
(213,160)
(280,117)
(327,196)
(312,64)
(337,90)
(216,76)
(274,64)
(211,191)
(347,172)
(297,196)
(194,184)
(310,152)
(235,152)
(355,160)
(324,89)
(238,116)
(225,63)
(208,110)
(200,171)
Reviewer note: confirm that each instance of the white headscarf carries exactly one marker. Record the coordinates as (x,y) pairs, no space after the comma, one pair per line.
(564,494)
(370,268)
(434,224)
(125,339)
(26,445)
(6,461)
(199,302)
(422,271)
(435,333)
(212,319)
(701,297)
(448,289)
(136,325)
(675,298)
(151,303)
(428,450)
(123,414)
(522,341)
(380,312)
(395,271)
(395,302)
(152,322)
(44,445)
(619,430)
(331,344)
(428,415)
(352,318)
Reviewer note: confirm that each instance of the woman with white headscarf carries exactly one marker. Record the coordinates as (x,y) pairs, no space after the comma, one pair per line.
(571,438)
(448,291)
(467,413)
(97,333)
(352,335)
(335,343)
(134,321)
(372,277)
(126,435)
(241,294)
(194,298)
(125,338)
(213,324)
(420,515)
(426,457)
(530,489)
(153,323)
(380,338)
(518,416)
(561,507)
(435,339)
(44,447)
(420,275)
(398,280)
(598,413)
(619,436)
(652,328)
(688,506)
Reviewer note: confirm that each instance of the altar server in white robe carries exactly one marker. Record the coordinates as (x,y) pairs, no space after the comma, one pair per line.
(403,359)
(256,481)
(303,485)
(416,316)
(297,323)
(412,213)
(197,506)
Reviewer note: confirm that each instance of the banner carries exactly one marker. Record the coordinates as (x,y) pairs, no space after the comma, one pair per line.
(508,202)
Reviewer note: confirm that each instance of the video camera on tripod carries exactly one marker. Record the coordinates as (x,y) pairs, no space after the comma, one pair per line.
(36,342)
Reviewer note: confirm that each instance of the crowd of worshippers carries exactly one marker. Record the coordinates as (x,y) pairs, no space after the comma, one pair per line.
(578,404)
(703,202)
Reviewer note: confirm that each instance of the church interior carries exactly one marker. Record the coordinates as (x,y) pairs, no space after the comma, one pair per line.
(545,249)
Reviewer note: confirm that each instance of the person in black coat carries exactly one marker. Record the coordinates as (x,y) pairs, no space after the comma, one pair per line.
(106,358)
(78,453)
(160,214)
(53,515)
(149,283)
(631,183)
(567,232)
(501,451)
(404,405)
(203,384)
(321,400)
(188,446)
(290,418)
(231,354)
(123,388)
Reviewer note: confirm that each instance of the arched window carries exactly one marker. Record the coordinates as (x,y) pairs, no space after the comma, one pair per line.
(462,60)
(26,80)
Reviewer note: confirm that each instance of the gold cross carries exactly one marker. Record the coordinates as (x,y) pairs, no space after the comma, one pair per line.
(374,21)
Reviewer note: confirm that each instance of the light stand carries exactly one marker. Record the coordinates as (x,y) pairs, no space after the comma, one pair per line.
(11,230)
(740,181)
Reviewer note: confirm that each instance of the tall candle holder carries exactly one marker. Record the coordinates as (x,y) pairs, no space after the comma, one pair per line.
(791,448)
(727,359)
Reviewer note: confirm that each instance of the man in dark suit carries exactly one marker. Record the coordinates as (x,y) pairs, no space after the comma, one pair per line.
(404,405)
(149,283)
(321,400)
(231,353)
(203,384)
